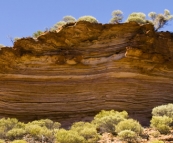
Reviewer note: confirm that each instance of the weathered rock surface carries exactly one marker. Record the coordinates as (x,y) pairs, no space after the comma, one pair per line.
(72,74)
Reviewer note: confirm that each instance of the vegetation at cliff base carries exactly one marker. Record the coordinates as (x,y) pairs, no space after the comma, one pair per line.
(106,125)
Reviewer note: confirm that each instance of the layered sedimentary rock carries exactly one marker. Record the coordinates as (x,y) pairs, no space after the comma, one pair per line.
(72,74)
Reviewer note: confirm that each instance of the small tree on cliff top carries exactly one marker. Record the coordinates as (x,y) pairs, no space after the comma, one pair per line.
(117,16)
(159,20)
(58,25)
(139,17)
(88,18)
(68,19)
(37,34)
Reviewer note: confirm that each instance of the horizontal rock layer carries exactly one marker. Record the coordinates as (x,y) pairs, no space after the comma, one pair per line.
(72,74)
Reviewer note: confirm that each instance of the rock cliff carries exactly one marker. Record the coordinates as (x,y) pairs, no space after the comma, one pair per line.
(71,74)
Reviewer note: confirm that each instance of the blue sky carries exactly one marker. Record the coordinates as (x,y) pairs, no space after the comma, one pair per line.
(21,18)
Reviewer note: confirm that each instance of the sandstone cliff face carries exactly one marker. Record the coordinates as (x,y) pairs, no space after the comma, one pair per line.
(72,74)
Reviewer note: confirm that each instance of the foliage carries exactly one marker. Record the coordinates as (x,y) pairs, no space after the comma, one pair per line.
(40,123)
(87,130)
(65,136)
(155,133)
(56,125)
(68,19)
(159,20)
(34,130)
(156,141)
(104,113)
(127,135)
(2,132)
(161,123)
(162,118)
(37,131)
(37,34)
(105,121)
(138,17)
(16,38)
(12,129)
(152,15)
(129,124)
(16,133)
(117,16)
(8,124)
(19,141)
(1,46)
(46,123)
(2,141)
(58,25)
(88,18)
(162,110)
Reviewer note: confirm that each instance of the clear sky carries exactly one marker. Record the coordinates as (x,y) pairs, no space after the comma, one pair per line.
(21,18)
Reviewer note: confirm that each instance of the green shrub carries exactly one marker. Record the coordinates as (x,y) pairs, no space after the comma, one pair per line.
(68,19)
(87,130)
(88,18)
(137,17)
(161,123)
(129,124)
(20,125)
(16,133)
(19,141)
(37,131)
(163,129)
(2,141)
(127,135)
(163,110)
(155,134)
(104,113)
(8,124)
(56,125)
(64,136)
(105,121)
(37,34)
(1,46)
(37,122)
(117,16)
(46,123)
(156,120)
(58,25)
(3,132)
(42,128)
(16,38)
(34,130)
(156,141)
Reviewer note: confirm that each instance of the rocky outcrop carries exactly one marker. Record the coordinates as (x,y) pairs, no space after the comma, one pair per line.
(72,74)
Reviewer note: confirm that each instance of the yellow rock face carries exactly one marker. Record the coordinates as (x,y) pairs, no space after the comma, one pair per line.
(72,74)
